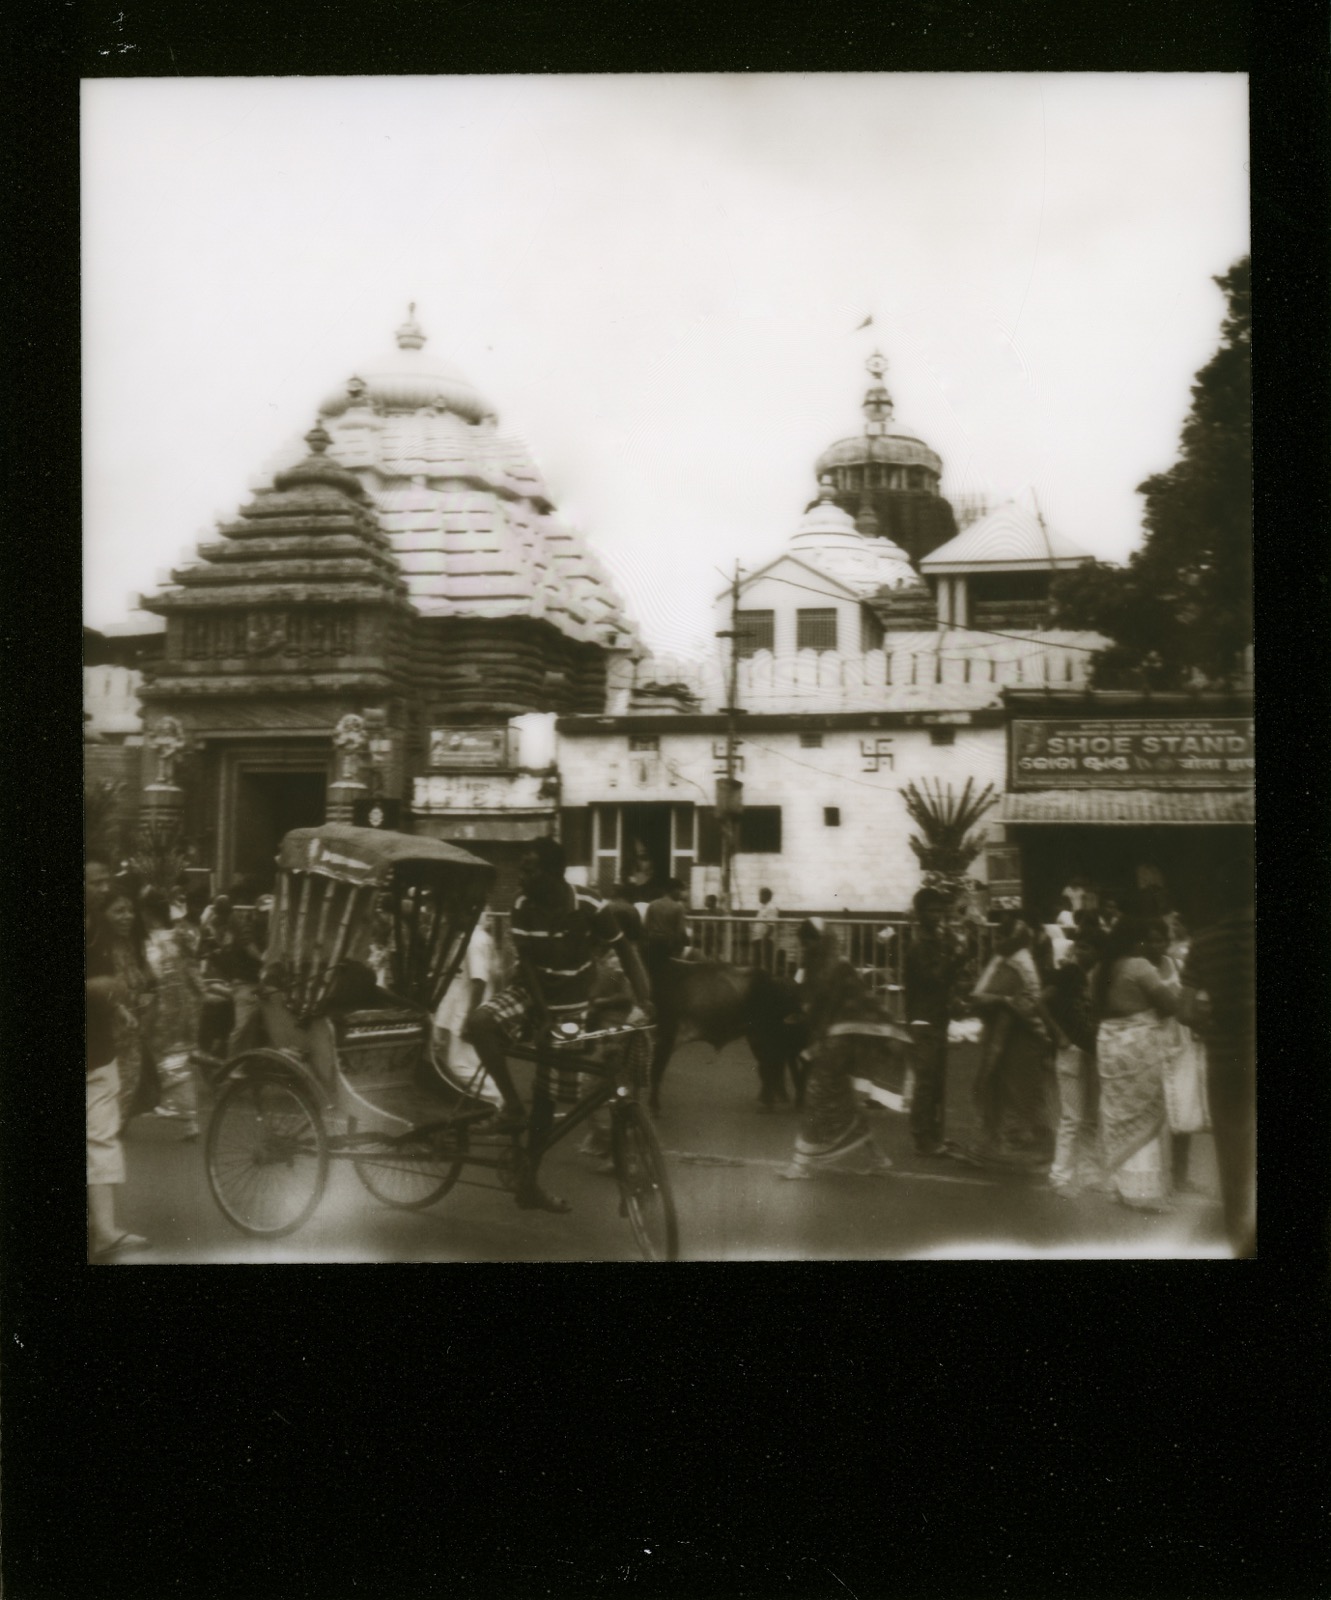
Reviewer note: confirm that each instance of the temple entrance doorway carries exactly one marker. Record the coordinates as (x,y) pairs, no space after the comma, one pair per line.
(264,796)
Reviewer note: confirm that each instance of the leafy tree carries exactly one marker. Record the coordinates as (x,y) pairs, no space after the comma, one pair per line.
(1181,610)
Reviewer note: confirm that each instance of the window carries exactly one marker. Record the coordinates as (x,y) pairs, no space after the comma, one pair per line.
(760,830)
(832,816)
(709,837)
(871,630)
(754,631)
(575,834)
(942,736)
(816,629)
(811,741)
(645,742)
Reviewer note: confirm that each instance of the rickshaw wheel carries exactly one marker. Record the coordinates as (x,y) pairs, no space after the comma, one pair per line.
(405,1176)
(644,1184)
(267,1154)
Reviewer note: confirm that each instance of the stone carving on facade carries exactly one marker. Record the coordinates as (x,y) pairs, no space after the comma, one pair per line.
(350,740)
(324,632)
(167,742)
(265,632)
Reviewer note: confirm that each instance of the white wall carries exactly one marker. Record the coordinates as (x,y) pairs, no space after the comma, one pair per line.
(771,593)
(866,864)
(111,695)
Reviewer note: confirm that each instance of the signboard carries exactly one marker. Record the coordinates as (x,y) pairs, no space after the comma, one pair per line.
(479,791)
(1131,753)
(468,749)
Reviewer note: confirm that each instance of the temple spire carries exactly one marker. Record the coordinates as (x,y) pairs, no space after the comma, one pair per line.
(410,335)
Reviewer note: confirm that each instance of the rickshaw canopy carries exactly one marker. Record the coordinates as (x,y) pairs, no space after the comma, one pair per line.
(323,925)
(366,857)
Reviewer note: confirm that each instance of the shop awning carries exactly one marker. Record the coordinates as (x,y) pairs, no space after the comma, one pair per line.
(1130,807)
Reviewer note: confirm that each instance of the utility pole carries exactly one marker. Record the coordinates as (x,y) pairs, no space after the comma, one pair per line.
(727,808)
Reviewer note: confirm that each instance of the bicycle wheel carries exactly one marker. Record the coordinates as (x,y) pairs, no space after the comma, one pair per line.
(409,1175)
(644,1184)
(266,1155)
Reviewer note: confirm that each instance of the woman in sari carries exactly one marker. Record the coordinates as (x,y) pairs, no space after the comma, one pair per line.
(127,945)
(846,1030)
(1014,1088)
(1134,1044)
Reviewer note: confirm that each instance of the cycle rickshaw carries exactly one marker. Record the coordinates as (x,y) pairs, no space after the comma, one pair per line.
(345,1070)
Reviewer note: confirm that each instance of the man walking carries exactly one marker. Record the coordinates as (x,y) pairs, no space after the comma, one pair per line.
(1218,1002)
(763,952)
(933,959)
(667,932)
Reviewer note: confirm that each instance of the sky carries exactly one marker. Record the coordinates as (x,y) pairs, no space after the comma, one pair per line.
(658,282)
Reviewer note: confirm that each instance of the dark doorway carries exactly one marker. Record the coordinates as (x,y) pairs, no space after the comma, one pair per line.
(1122,861)
(268,805)
(644,860)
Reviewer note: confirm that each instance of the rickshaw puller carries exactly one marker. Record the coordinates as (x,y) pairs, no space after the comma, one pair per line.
(557,930)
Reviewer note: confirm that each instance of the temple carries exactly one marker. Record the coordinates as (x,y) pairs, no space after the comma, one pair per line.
(396,597)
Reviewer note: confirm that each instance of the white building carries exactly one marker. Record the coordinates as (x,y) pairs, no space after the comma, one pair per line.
(849,688)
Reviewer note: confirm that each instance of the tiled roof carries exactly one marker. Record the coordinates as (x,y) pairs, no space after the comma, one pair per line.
(1011,535)
(1129,807)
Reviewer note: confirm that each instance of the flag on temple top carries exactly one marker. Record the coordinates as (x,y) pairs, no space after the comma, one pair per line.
(867,323)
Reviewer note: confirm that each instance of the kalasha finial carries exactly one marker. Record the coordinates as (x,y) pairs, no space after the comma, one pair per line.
(318,439)
(826,489)
(409,335)
(876,365)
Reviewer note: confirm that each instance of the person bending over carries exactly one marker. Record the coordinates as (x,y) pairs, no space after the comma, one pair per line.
(557,932)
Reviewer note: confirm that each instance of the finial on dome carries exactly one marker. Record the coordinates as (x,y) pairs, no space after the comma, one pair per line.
(410,335)
(318,439)
(826,489)
(877,401)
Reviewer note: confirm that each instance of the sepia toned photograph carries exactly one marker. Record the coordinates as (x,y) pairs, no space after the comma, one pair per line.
(668,668)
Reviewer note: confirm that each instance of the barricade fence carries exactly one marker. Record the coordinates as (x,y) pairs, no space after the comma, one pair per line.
(875,947)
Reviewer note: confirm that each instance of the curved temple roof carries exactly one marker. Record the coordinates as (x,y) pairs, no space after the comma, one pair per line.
(465,507)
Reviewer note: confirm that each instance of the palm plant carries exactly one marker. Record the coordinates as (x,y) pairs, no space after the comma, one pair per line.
(946,843)
(160,855)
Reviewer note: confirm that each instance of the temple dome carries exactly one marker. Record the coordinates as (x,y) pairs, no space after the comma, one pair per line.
(827,538)
(406,379)
(897,449)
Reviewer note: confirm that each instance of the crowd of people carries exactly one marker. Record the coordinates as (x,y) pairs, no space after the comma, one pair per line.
(1098,1063)
(171,991)
(1100,1055)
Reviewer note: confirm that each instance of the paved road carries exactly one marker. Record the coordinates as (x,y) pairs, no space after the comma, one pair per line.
(723,1156)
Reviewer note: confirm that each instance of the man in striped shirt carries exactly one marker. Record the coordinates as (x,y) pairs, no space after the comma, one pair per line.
(558,931)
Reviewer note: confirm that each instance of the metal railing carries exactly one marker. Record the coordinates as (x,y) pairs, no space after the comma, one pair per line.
(875,946)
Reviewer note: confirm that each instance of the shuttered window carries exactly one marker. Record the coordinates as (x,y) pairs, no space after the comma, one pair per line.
(754,631)
(815,629)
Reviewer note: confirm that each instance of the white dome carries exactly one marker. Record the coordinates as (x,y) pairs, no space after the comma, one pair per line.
(827,538)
